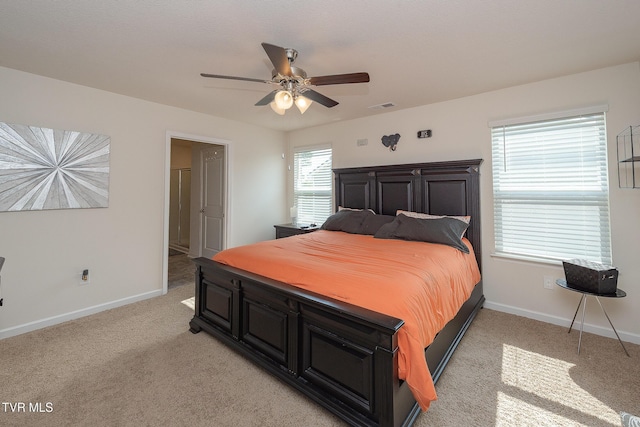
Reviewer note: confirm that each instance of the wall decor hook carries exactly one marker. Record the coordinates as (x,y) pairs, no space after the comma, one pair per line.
(391,141)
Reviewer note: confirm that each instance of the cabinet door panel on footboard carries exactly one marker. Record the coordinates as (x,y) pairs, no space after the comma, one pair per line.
(265,329)
(338,365)
(269,324)
(217,305)
(218,298)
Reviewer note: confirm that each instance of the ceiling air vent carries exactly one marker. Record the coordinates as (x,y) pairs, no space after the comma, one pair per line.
(383,106)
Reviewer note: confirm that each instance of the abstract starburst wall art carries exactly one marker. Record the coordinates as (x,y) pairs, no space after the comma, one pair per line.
(43,168)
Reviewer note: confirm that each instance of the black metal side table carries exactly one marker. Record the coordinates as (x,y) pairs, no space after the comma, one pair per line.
(583,300)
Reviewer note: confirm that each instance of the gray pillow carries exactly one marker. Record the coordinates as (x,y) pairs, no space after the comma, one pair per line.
(349,221)
(386,230)
(372,223)
(445,231)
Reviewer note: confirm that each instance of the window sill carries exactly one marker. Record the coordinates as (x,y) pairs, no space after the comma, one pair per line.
(525,258)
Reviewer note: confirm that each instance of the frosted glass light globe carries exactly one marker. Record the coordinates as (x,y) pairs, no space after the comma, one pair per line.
(284,99)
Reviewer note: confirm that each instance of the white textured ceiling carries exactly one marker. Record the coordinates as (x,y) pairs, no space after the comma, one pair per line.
(416,52)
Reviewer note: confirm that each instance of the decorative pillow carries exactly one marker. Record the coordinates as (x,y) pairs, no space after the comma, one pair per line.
(386,231)
(629,420)
(372,223)
(445,231)
(465,219)
(347,220)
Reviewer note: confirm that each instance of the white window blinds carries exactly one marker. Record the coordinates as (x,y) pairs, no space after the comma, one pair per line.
(550,189)
(312,184)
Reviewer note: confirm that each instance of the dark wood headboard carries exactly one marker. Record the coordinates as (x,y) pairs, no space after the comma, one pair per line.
(438,188)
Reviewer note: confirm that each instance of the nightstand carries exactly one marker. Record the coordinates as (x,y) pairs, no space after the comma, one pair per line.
(286,230)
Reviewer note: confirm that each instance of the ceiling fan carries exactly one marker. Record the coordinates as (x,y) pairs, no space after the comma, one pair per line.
(293,82)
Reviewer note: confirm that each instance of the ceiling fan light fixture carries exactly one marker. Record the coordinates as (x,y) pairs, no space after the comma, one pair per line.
(275,108)
(284,99)
(293,81)
(302,103)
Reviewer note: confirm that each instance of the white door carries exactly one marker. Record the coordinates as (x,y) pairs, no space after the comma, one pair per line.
(212,211)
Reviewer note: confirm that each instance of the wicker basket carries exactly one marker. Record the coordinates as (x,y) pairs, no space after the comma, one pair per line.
(591,276)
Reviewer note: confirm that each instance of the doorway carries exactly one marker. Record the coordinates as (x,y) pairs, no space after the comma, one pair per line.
(196,203)
(180,209)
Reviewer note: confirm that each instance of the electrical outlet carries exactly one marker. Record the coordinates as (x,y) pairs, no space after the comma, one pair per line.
(362,142)
(548,282)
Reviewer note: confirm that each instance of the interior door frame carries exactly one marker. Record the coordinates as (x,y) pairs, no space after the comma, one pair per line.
(228,145)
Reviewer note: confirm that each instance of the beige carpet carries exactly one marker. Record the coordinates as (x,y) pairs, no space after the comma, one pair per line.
(139,365)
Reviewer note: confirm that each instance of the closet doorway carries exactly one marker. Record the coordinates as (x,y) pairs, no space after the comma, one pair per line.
(180,196)
(180,209)
(195,212)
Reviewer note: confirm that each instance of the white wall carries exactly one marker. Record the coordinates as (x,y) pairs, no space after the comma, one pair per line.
(460,131)
(121,245)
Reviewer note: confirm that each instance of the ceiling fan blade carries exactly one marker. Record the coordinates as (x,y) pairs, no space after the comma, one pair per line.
(246,79)
(267,99)
(278,57)
(339,79)
(318,97)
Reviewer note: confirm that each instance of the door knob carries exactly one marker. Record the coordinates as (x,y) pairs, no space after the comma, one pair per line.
(202,210)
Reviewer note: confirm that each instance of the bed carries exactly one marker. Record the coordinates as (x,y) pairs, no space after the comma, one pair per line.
(343,356)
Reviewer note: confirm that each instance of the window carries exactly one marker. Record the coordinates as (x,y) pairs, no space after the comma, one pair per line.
(550,188)
(312,184)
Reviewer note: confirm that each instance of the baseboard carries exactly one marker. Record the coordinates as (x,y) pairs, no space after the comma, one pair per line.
(179,248)
(560,321)
(50,321)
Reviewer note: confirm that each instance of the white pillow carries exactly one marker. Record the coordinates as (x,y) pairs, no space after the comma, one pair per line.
(465,219)
(340,208)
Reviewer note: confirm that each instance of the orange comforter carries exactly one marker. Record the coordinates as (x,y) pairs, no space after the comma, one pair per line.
(423,284)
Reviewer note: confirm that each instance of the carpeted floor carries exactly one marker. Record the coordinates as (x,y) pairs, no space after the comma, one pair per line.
(139,365)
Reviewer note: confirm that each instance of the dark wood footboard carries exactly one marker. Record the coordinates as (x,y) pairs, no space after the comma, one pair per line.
(342,356)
